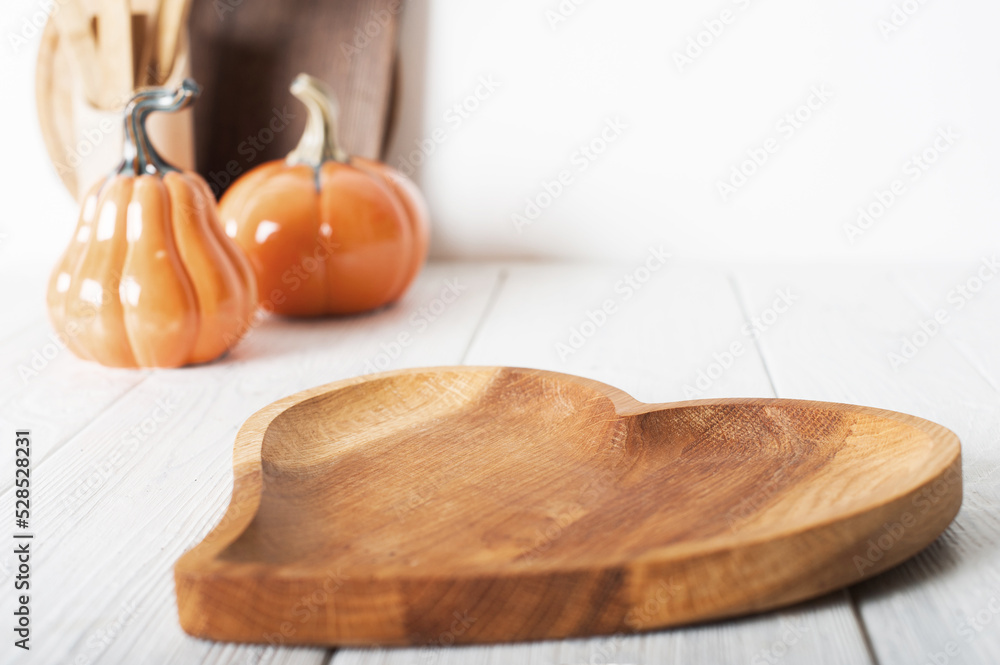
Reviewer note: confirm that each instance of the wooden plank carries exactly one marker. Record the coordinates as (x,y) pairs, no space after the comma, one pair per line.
(48,386)
(653,345)
(966,296)
(36,367)
(45,386)
(166,452)
(24,288)
(660,336)
(926,609)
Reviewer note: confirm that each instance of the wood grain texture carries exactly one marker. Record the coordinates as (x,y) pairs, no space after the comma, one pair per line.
(114,51)
(641,348)
(54,91)
(171,22)
(835,347)
(245,55)
(654,347)
(522,504)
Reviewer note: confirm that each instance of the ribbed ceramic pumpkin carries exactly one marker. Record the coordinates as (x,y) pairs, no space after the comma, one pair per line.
(149,278)
(326,233)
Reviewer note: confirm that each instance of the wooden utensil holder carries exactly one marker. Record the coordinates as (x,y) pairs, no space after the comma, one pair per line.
(84,142)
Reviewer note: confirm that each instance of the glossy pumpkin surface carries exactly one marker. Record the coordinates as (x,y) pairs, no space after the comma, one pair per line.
(326,233)
(149,278)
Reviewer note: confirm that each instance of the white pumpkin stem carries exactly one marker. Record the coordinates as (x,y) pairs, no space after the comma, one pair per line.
(319,140)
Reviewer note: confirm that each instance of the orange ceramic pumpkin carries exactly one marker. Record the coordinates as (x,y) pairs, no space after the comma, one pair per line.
(149,278)
(326,233)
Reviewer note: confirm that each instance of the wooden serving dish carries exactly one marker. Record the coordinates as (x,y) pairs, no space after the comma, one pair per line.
(461,505)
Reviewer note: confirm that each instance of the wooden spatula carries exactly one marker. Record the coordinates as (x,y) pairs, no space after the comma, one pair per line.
(74,29)
(171,21)
(114,51)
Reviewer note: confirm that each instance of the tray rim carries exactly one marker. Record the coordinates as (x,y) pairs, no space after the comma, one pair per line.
(248,476)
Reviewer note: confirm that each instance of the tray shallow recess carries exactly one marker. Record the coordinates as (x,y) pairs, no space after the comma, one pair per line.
(485,504)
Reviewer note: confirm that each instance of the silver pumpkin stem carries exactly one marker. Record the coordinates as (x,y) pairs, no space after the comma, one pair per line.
(139,156)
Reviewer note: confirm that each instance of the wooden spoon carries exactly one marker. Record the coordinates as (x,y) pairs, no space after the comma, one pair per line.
(170,22)
(114,50)
(74,29)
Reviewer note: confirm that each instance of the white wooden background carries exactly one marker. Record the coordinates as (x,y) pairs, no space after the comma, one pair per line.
(121,489)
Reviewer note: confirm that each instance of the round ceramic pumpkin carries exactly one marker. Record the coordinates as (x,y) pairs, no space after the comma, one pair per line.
(326,233)
(149,278)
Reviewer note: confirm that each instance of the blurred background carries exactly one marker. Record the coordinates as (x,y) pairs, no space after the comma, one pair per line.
(728,129)
(857,139)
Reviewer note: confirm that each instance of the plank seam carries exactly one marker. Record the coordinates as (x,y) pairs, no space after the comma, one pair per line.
(745,312)
(487,310)
(859,619)
(48,455)
(39,320)
(852,601)
(921,308)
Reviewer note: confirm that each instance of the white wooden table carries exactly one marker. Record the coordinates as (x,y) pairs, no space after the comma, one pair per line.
(130,469)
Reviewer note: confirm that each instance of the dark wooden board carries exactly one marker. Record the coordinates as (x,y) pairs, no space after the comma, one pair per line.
(245,54)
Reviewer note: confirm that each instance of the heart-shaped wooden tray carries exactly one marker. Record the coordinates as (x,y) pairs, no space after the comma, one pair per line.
(464,504)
